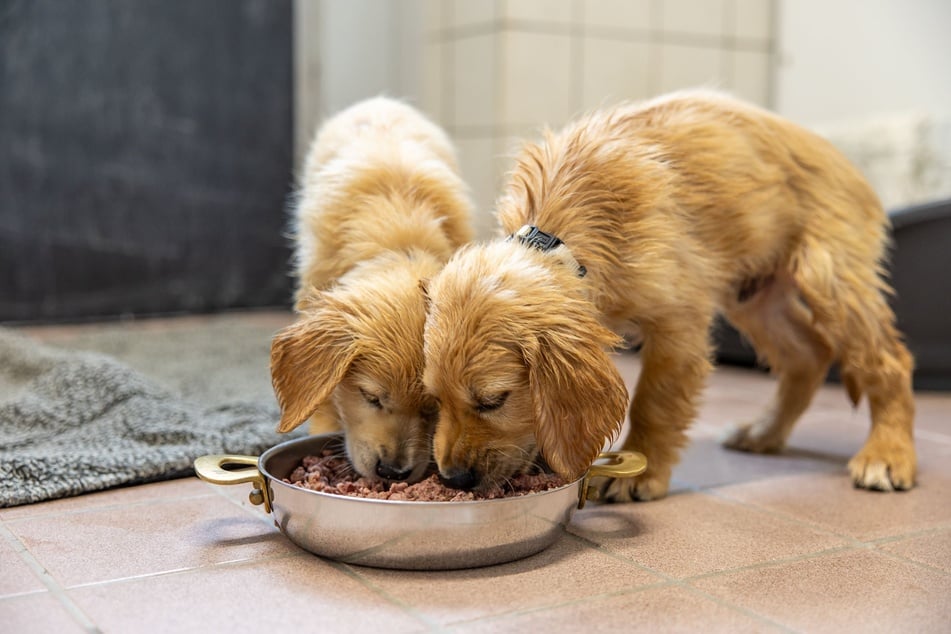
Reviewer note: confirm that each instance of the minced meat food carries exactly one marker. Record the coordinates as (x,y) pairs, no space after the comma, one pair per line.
(331,473)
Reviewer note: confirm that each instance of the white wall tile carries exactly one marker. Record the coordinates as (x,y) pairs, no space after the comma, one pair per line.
(477,160)
(433,15)
(432,86)
(537,78)
(690,67)
(751,76)
(753,19)
(307,76)
(474,80)
(695,17)
(614,70)
(617,14)
(460,13)
(545,11)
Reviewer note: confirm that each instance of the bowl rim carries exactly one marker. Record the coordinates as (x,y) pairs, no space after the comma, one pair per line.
(326,438)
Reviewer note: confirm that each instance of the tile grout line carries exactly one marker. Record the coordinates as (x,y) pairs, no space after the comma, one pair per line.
(105,507)
(853,542)
(439,627)
(919,533)
(56,590)
(215,491)
(24,593)
(681,583)
(564,604)
(917,564)
(177,571)
(726,604)
(348,570)
(775,562)
(714,493)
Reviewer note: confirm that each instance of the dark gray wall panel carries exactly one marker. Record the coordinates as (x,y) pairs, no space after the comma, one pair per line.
(145,156)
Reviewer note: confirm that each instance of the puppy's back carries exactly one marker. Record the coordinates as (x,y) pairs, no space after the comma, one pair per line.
(379,176)
(373,120)
(727,179)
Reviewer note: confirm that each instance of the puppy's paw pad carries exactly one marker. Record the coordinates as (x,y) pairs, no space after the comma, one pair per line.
(751,437)
(878,474)
(633,489)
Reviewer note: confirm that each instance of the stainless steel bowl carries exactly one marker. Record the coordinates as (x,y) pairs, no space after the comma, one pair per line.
(401,534)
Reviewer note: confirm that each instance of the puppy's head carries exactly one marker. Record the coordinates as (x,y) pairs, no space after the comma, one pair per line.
(358,348)
(517,359)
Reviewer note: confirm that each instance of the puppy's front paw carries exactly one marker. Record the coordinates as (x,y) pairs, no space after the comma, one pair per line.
(755,437)
(641,489)
(883,469)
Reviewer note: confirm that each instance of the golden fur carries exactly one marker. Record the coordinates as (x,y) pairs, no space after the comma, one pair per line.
(381,206)
(680,208)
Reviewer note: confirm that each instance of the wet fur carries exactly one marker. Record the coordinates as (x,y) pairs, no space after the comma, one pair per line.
(380,207)
(681,208)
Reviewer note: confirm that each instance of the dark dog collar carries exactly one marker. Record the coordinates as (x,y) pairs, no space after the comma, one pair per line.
(532,236)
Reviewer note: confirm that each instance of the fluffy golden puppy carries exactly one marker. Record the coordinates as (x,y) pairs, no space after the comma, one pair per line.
(662,214)
(380,207)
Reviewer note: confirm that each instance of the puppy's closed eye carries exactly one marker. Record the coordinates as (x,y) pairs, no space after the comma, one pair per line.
(372,400)
(485,404)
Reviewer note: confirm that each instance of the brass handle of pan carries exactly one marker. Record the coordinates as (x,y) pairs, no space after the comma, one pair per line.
(211,469)
(620,464)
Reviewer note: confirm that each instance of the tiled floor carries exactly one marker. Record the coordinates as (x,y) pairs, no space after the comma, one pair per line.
(744,543)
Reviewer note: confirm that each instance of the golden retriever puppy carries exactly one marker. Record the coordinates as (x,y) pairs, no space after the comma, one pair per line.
(642,222)
(380,207)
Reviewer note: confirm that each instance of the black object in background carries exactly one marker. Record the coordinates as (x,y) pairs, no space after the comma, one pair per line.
(145,156)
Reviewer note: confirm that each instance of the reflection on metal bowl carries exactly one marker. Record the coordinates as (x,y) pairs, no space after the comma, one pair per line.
(406,535)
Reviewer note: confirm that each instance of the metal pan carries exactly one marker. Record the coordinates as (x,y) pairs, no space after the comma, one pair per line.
(407,535)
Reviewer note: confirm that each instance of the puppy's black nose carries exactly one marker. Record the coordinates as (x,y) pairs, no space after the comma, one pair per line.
(389,472)
(464,480)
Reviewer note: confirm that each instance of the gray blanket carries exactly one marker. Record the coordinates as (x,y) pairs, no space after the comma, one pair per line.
(75,421)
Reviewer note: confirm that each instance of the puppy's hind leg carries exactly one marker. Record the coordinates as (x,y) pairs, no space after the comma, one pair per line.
(876,362)
(779,325)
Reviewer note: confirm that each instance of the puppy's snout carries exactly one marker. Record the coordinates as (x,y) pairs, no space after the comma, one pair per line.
(391,472)
(461,479)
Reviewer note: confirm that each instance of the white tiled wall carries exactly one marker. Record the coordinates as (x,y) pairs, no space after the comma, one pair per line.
(535,78)
(496,70)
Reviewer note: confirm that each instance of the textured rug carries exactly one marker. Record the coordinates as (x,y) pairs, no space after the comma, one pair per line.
(76,421)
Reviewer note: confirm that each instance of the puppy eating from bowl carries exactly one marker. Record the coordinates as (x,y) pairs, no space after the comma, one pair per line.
(380,207)
(642,222)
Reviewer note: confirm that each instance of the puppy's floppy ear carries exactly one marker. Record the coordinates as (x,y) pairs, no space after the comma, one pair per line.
(309,359)
(579,396)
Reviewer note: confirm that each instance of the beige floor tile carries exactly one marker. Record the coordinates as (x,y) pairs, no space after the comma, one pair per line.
(569,569)
(299,593)
(706,463)
(36,614)
(17,577)
(854,591)
(148,538)
(666,609)
(931,549)
(829,501)
(169,490)
(693,533)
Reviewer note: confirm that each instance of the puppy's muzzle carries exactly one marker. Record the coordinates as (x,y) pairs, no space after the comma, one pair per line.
(392,472)
(465,479)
